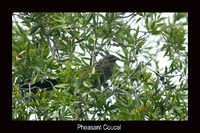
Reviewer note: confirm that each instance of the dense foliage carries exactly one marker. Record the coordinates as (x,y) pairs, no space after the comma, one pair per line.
(148,82)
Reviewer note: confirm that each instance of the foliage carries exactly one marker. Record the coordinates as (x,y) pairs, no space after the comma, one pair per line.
(68,45)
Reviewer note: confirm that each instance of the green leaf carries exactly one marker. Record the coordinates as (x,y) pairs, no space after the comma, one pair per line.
(63,26)
(141,43)
(34,30)
(89,19)
(167,51)
(61,86)
(147,23)
(93,71)
(74,34)
(87,84)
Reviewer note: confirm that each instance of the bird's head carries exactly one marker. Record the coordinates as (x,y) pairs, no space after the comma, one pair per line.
(112,58)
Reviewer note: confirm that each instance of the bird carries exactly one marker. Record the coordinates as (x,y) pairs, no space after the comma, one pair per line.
(103,68)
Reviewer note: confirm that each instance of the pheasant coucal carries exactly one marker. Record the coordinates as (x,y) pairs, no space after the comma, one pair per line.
(103,67)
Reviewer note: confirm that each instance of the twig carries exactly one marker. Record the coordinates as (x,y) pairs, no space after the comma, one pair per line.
(132,14)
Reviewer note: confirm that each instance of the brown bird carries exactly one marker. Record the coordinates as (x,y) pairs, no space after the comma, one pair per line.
(104,68)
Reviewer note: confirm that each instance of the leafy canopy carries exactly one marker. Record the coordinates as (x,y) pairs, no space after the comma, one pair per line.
(149,82)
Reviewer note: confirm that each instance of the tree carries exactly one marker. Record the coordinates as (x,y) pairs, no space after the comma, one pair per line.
(68,46)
